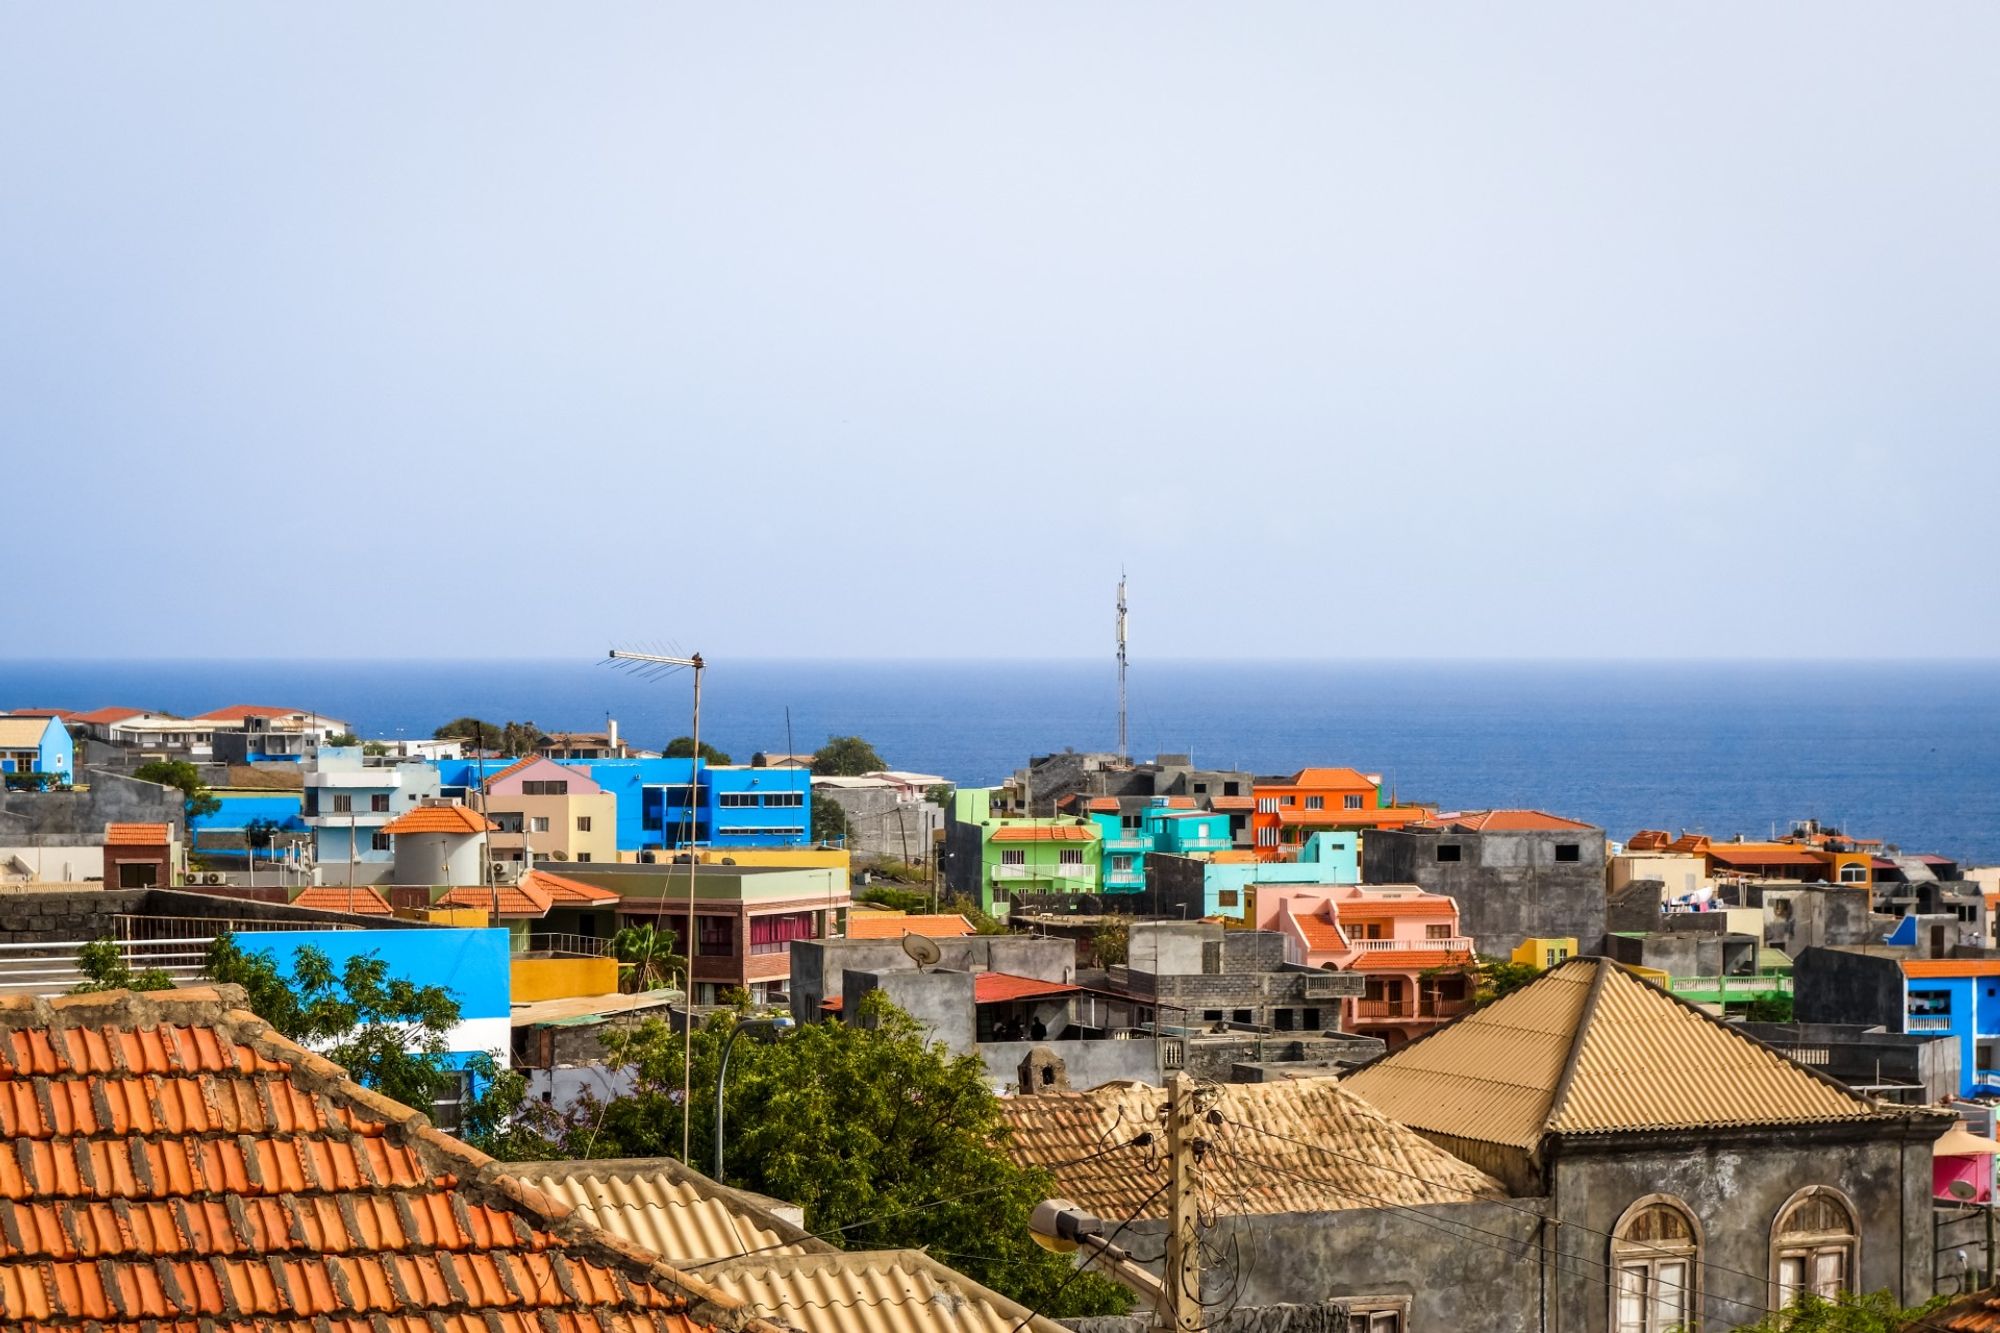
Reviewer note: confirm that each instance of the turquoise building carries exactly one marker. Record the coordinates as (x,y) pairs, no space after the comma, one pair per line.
(1332,857)
(1132,827)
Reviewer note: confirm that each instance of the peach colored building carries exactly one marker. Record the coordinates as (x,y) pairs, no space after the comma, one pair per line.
(1404,940)
(1313,800)
(543,810)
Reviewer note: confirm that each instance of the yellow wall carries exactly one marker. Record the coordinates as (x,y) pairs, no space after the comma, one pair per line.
(445,916)
(788,858)
(561,978)
(1535,952)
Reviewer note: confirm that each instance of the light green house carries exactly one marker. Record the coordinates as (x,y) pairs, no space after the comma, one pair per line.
(1027,856)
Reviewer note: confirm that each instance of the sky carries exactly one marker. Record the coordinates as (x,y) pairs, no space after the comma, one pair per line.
(1453,330)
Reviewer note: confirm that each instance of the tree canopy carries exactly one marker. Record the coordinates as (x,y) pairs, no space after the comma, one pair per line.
(1847,1312)
(846,757)
(508,738)
(829,820)
(184,777)
(682,747)
(885,1139)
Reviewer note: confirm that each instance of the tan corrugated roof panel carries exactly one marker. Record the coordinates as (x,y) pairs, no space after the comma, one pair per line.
(655,1204)
(885,1291)
(1590,1048)
(1303,1145)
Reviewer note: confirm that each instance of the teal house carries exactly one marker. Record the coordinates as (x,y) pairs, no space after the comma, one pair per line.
(1324,858)
(1133,826)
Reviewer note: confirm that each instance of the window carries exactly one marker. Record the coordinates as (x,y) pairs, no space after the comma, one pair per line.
(1813,1246)
(1121,863)
(583,823)
(1437,932)
(583,856)
(1267,837)
(1229,789)
(379,803)
(1378,1314)
(138,875)
(1315,802)
(1312,1019)
(1131,823)
(1013,856)
(774,934)
(736,800)
(1854,873)
(1228,897)
(1290,801)
(784,799)
(538,824)
(1069,856)
(546,787)
(343,803)
(1267,805)
(715,936)
(1568,851)
(1654,1253)
(380,842)
(1447,851)
(448,1111)
(1350,802)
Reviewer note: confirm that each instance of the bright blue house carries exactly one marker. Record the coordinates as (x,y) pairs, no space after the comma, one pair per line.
(664,804)
(39,745)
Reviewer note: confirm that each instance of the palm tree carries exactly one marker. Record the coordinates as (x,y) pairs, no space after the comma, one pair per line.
(646,958)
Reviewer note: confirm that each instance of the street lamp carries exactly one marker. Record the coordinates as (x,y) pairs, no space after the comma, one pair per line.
(759,1029)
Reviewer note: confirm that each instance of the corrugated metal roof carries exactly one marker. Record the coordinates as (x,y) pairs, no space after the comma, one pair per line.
(1624,1055)
(1348,1153)
(661,1205)
(884,1291)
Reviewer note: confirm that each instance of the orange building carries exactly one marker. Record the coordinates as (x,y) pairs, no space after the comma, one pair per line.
(1312,800)
(1809,858)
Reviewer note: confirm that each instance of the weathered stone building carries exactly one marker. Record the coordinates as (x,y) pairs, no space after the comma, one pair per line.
(1515,874)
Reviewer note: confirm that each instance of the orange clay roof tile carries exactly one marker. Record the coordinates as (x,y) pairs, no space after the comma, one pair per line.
(1045,833)
(442,818)
(137,835)
(179,1166)
(1409,960)
(361,900)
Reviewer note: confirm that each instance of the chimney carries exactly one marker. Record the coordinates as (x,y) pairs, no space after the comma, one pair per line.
(611,733)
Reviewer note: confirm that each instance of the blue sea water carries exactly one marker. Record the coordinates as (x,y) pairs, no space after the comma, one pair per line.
(1900,751)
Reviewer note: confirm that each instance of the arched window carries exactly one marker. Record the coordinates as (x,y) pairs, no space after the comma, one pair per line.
(1815,1245)
(1655,1252)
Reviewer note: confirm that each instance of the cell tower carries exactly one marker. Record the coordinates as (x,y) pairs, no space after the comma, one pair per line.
(1124,752)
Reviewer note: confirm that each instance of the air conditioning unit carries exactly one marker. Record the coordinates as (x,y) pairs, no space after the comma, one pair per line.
(214,877)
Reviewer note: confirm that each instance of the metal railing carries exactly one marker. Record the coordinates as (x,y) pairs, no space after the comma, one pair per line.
(1076,872)
(1775,984)
(562,943)
(1927,1023)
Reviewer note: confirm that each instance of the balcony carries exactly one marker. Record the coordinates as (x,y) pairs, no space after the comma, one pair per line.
(1129,842)
(1927,1023)
(358,818)
(354,777)
(1124,879)
(1450,943)
(1721,990)
(1080,874)
(1427,1007)
(1203,844)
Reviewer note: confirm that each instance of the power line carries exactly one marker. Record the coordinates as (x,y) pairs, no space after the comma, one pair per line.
(1083,1268)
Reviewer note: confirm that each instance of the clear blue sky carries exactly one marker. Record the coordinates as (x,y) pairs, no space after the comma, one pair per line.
(1385,330)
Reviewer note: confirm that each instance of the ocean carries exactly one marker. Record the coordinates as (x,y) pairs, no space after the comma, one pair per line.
(1899,751)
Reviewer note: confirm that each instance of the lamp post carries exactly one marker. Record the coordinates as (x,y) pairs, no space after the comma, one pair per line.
(760,1029)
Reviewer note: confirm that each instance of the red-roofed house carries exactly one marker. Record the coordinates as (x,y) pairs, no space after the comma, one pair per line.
(439,842)
(140,856)
(1290,810)
(1405,940)
(542,809)
(261,733)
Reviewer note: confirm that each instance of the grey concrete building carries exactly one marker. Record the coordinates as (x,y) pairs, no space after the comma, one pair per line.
(1515,874)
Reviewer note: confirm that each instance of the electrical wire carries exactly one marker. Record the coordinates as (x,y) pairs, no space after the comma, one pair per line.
(1083,1268)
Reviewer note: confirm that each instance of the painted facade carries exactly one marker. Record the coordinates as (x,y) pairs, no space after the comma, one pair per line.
(1231,887)
(542,809)
(1313,800)
(1130,828)
(668,804)
(1405,941)
(37,745)
(348,803)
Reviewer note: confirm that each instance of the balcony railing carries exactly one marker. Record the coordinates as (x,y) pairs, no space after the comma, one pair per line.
(1129,842)
(1076,872)
(1927,1023)
(1728,986)
(1382,1009)
(1125,878)
(1428,1006)
(1204,844)
(562,944)
(1451,943)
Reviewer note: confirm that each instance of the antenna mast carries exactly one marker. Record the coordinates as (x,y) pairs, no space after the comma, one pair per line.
(1124,751)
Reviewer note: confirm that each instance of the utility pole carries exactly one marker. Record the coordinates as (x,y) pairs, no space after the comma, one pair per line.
(1124,750)
(1180,1308)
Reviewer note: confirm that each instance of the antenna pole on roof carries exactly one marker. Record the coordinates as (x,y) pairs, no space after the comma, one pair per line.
(1124,750)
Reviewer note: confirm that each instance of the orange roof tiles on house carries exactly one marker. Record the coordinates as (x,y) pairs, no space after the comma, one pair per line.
(527,762)
(106,715)
(1329,777)
(361,900)
(1376,818)
(237,712)
(1321,935)
(1409,960)
(503,901)
(894,925)
(179,1166)
(1509,821)
(452,818)
(1046,833)
(1386,909)
(1233,803)
(1951,967)
(64,713)
(994,987)
(1103,803)
(138,835)
(564,892)
(1647,840)
(1764,856)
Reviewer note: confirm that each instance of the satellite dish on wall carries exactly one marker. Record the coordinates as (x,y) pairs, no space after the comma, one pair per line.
(1961,1190)
(922,949)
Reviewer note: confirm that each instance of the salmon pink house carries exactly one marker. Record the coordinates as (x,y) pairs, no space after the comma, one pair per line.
(1404,940)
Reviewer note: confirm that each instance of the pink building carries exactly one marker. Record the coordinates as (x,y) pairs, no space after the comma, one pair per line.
(1406,941)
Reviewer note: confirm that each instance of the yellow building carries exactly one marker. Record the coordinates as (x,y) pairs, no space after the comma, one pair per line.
(543,810)
(1543,954)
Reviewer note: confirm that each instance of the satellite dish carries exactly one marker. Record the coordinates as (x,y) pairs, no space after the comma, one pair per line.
(922,949)
(1961,1190)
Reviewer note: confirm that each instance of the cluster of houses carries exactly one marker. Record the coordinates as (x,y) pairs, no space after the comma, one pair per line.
(1719,1073)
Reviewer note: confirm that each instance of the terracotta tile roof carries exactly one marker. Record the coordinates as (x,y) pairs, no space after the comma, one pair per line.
(1409,960)
(1359,1157)
(361,900)
(1951,967)
(514,901)
(1345,779)
(237,712)
(994,987)
(1623,1054)
(562,892)
(1233,803)
(1976,1313)
(527,762)
(138,835)
(894,925)
(1647,840)
(452,818)
(106,715)
(1510,821)
(1103,803)
(1409,814)
(64,713)
(1321,935)
(178,1166)
(1764,856)
(1045,833)
(1388,909)
(665,1207)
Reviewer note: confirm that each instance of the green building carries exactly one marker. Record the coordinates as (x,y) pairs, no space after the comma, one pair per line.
(997,859)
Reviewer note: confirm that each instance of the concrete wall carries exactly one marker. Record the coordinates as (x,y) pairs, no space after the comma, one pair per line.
(432,858)
(57,864)
(77,818)
(1839,986)
(1088,1064)
(1169,946)
(1864,1057)
(1797,918)
(818,965)
(559,978)
(1508,886)
(940,1001)
(1735,1187)
(879,823)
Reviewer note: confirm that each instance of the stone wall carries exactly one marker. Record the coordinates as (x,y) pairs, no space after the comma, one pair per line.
(817,965)
(77,818)
(1508,886)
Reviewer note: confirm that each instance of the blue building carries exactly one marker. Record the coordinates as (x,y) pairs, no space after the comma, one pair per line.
(1324,858)
(1134,827)
(349,799)
(39,745)
(665,804)
(1888,986)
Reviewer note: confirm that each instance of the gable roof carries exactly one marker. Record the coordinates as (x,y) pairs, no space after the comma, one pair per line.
(237,712)
(361,899)
(528,761)
(994,987)
(19,730)
(1590,1048)
(1510,821)
(98,715)
(564,892)
(178,1164)
(666,1207)
(1046,833)
(441,818)
(894,925)
(1335,1151)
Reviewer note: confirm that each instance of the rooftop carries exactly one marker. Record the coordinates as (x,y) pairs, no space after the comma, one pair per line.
(1510,821)
(1299,1145)
(995,987)
(440,818)
(184,1166)
(895,925)
(360,900)
(533,895)
(1045,833)
(18,731)
(138,835)
(1589,1048)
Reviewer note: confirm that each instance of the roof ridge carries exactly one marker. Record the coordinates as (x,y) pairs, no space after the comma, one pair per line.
(1576,1039)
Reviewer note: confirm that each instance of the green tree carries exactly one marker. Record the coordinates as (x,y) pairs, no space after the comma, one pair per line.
(846,757)
(196,799)
(104,967)
(829,821)
(375,748)
(646,958)
(260,833)
(1499,976)
(884,1138)
(1769,1009)
(898,900)
(1873,1312)
(480,735)
(518,739)
(343,738)
(1109,942)
(682,747)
